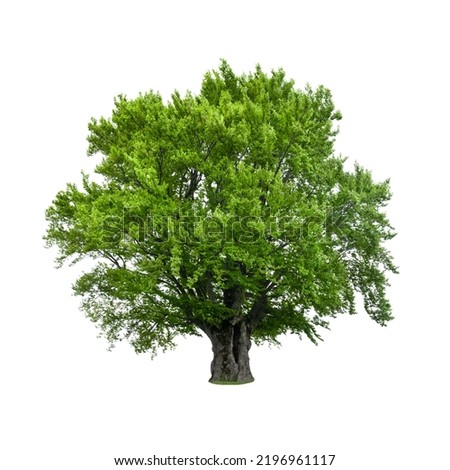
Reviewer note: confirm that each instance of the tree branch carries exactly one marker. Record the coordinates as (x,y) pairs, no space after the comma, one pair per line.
(259,310)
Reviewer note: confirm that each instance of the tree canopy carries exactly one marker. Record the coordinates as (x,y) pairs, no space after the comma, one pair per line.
(227,213)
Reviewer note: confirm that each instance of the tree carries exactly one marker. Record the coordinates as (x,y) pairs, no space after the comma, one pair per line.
(225,213)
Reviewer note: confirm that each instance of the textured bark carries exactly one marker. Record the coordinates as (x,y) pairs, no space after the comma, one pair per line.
(230,345)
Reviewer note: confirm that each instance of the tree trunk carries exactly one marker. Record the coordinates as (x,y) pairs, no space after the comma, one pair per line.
(230,345)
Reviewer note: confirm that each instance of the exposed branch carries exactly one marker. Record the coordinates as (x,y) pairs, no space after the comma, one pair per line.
(258,310)
(209,149)
(113,259)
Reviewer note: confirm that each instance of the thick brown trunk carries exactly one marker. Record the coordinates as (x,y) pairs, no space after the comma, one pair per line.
(230,345)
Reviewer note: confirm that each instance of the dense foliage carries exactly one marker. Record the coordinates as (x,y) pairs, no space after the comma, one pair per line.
(223,207)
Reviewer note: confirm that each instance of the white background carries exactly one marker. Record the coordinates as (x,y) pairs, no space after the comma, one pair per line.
(376,397)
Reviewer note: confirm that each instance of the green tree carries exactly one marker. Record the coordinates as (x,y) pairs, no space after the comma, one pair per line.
(225,213)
